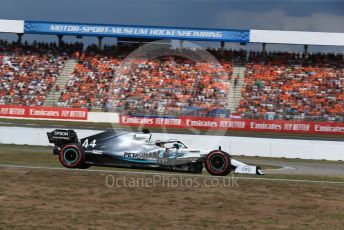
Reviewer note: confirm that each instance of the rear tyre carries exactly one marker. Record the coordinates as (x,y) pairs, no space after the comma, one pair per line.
(72,156)
(218,163)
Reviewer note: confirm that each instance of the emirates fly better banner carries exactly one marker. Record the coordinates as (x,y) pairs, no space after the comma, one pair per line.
(43,112)
(236,124)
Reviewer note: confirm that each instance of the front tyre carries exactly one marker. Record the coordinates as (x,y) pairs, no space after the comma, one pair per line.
(218,163)
(72,156)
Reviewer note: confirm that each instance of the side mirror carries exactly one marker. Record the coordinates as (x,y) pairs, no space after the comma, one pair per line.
(176,146)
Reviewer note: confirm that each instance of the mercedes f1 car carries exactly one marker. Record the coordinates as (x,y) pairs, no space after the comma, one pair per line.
(138,150)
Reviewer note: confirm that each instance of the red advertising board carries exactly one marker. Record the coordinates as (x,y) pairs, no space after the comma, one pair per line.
(236,124)
(43,112)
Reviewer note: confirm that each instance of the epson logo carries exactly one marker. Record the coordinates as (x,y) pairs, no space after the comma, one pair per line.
(60,133)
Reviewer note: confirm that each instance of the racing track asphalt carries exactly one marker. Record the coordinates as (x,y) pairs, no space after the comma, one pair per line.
(300,168)
(286,168)
(261,178)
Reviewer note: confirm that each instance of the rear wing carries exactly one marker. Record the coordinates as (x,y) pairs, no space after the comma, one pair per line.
(60,136)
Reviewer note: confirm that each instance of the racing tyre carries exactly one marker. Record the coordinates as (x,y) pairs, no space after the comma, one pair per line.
(218,163)
(72,156)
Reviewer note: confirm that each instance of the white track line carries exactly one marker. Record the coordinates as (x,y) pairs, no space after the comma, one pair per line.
(167,174)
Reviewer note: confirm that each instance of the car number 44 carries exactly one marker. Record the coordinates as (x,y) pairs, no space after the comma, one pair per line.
(92,144)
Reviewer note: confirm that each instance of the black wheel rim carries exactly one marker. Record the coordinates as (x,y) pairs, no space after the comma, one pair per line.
(70,155)
(217,162)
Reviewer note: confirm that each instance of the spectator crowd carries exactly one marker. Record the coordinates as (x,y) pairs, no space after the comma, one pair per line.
(293,86)
(28,72)
(284,85)
(167,85)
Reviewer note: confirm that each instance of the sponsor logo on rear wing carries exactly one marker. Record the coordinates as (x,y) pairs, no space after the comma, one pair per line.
(62,136)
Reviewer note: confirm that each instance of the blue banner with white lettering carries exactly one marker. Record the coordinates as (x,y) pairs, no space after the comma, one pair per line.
(136,31)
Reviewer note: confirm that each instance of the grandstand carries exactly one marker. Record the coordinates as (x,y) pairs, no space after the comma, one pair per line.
(264,85)
(293,86)
(28,72)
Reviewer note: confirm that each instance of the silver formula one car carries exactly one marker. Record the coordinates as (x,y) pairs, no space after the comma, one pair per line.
(137,150)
